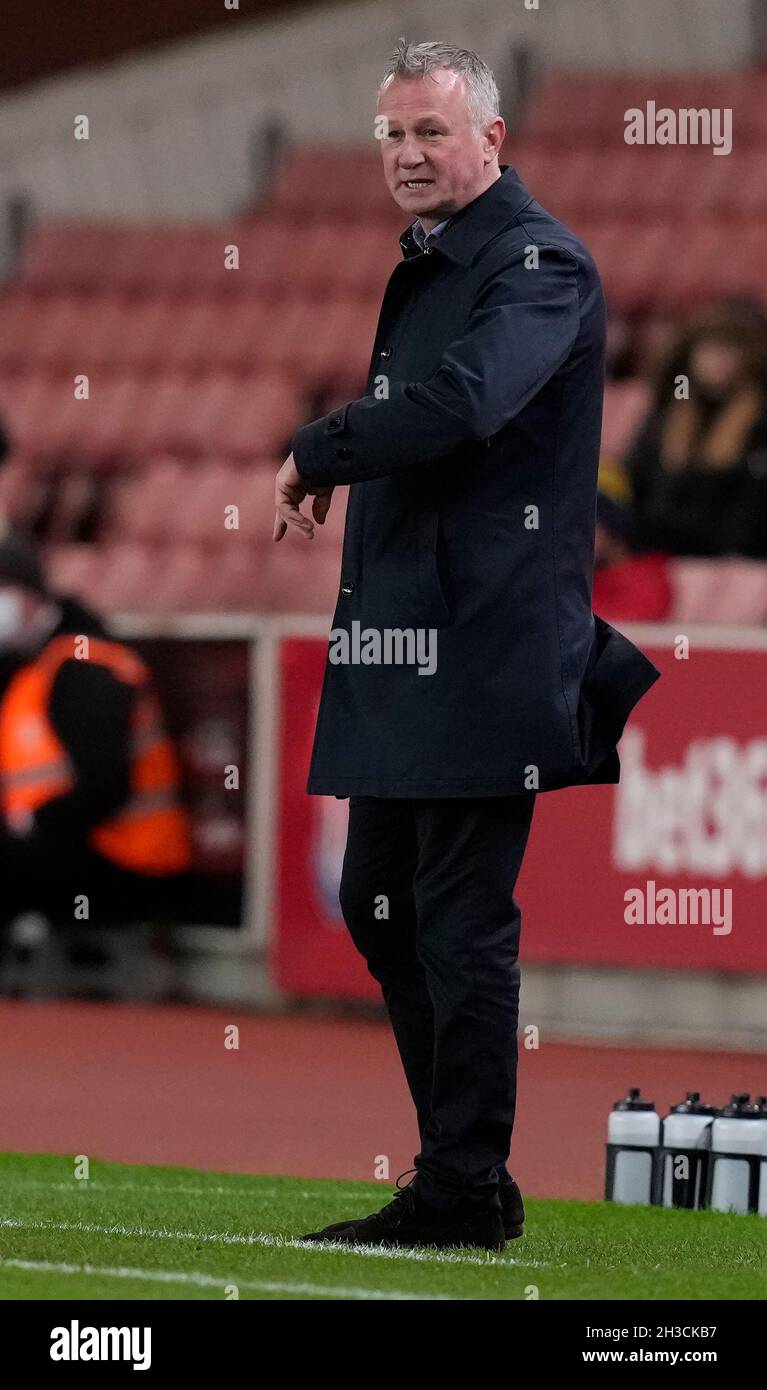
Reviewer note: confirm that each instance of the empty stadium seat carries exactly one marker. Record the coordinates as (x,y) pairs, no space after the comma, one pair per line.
(302,576)
(92,256)
(199,375)
(308,179)
(730,591)
(204,514)
(572,107)
(142,506)
(75,569)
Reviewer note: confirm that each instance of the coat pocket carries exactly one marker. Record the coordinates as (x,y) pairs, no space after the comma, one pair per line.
(435,587)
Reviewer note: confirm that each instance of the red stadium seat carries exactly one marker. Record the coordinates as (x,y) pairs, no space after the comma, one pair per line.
(200,375)
(575,107)
(142,506)
(65,255)
(236,579)
(303,576)
(44,418)
(250,417)
(204,512)
(75,569)
(181,575)
(210,333)
(730,591)
(309,180)
(22,331)
(129,577)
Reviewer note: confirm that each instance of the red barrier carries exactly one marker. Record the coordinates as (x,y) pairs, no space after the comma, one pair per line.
(668,869)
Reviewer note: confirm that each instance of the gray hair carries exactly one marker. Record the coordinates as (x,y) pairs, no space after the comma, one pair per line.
(421,59)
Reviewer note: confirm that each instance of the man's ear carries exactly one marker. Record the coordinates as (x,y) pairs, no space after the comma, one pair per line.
(495,136)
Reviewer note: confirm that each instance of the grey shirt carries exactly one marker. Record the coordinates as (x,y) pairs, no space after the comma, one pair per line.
(424,238)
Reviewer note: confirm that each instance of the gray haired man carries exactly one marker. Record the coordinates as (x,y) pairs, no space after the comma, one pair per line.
(471,511)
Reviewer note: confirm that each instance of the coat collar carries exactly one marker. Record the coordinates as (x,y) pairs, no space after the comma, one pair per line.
(472,227)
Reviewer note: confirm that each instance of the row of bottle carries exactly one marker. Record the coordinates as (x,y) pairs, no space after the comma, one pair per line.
(697,1156)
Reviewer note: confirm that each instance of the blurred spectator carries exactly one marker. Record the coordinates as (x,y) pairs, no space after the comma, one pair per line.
(89,785)
(5,449)
(698,468)
(5,443)
(619,347)
(627,587)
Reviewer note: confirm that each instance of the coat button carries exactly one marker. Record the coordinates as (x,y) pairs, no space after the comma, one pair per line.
(347,587)
(385,352)
(343,453)
(336,420)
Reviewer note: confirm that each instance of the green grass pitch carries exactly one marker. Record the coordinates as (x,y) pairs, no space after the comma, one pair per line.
(176,1233)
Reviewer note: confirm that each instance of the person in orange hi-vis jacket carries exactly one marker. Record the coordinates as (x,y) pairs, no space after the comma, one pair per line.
(92,824)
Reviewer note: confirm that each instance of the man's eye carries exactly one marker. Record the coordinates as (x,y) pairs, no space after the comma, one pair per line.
(433,132)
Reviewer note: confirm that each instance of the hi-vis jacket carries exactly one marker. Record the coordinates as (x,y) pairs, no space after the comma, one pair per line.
(150,833)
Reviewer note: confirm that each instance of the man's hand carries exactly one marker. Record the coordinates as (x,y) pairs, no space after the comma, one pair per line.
(290,489)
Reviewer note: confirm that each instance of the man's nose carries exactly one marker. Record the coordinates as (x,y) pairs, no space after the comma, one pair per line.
(410,156)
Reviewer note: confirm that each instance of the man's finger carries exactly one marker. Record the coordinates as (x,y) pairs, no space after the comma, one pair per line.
(321,507)
(291,516)
(279,528)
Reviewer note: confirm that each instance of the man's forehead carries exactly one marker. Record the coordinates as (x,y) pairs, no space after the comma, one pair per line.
(419,115)
(430,94)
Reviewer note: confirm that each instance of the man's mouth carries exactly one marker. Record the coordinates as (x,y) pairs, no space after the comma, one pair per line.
(415,184)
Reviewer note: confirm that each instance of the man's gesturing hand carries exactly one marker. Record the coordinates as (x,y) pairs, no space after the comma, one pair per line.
(290,489)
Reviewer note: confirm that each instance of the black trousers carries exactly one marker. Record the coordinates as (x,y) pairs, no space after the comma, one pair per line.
(427,892)
(50,879)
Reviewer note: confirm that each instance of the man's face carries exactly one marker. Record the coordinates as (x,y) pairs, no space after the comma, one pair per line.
(717,366)
(435,159)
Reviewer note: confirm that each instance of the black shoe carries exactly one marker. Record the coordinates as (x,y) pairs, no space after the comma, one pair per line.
(512,1208)
(410,1221)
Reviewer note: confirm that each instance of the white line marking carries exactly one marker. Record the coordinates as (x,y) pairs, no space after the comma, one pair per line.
(78,1185)
(210,1281)
(418,1256)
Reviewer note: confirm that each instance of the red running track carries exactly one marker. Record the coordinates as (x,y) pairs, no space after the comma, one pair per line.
(313,1097)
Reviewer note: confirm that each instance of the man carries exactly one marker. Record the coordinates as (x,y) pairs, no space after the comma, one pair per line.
(472,462)
(91,823)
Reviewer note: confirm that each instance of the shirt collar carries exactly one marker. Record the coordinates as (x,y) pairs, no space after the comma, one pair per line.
(469,230)
(423,238)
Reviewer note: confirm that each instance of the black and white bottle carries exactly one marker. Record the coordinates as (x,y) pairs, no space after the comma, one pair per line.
(633,1132)
(684,1153)
(738,1171)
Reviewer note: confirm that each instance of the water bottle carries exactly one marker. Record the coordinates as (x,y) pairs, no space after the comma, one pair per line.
(684,1153)
(761,1103)
(738,1163)
(632,1148)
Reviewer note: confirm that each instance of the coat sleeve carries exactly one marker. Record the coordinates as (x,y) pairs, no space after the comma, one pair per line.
(521,329)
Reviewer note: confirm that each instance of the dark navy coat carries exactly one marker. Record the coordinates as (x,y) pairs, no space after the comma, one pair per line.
(473,462)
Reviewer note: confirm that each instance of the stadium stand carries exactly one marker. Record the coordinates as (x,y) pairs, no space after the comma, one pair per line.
(200,370)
